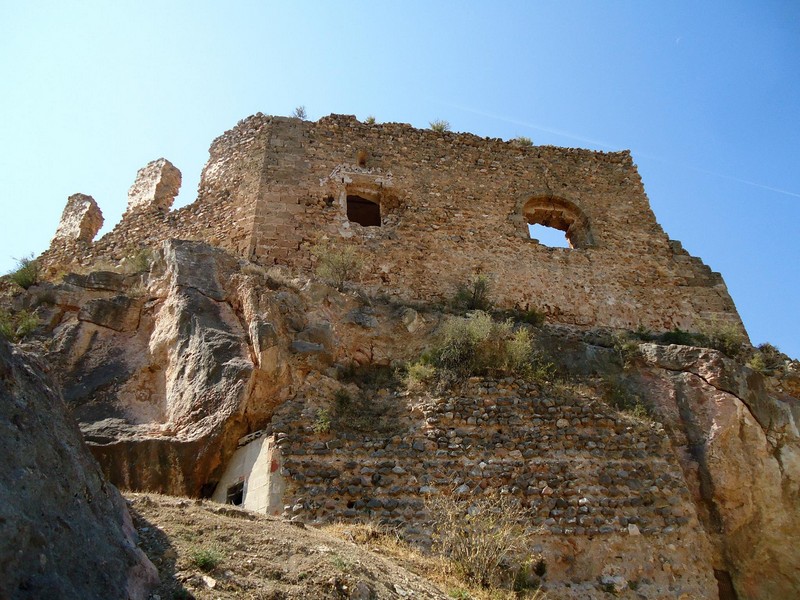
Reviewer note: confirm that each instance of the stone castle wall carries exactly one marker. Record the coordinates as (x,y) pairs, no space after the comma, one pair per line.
(579,469)
(451,206)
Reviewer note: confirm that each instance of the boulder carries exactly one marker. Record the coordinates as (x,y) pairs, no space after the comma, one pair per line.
(65,532)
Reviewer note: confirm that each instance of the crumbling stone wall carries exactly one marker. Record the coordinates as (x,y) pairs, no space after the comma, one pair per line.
(451,206)
(580,468)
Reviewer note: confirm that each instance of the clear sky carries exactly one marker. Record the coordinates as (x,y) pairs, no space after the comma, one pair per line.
(705,94)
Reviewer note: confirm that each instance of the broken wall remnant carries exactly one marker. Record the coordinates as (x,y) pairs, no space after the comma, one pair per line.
(156,186)
(80,220)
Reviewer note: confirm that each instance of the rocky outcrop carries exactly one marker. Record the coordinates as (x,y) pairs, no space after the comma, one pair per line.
(740,450)
(65,532)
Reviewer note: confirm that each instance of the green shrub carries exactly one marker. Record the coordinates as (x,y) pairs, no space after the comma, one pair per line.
(626,349)
(522,140)
(7,328)
(16,326)
(419,373)
(337,264)
(26,272)
(767,360)
(26,323)
(479,345)
(470,345)
(440,125)
(322,424)
(725,337)
(370,120)
(342,399)
(474,295)
(206,559)
(531,316)
(682,338)
(141,260)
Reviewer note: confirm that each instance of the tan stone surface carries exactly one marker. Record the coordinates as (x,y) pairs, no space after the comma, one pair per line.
(452,205)
(80,221)
(739,442)
(155,187)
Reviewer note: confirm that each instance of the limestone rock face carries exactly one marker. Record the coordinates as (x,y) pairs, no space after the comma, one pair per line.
(81,219)
(164,380)
(156,186)
(740,451)
(65,532)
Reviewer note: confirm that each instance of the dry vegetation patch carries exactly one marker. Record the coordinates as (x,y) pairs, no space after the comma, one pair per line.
(208,550)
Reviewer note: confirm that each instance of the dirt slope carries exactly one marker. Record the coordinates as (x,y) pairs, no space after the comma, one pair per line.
(259,557)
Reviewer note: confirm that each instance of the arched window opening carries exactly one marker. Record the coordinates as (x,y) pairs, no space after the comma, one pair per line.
(364,212)
(557,223)
(548,236)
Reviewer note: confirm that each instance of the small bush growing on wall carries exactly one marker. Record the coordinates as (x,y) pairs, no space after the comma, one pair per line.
(322,424)
(767,360)
(522,140)
(479,345)
(337,264)
(419,373)
(475,295)
(15,326)
(141,260)
(440,125)
(300,113)
(725,337)
(626,349)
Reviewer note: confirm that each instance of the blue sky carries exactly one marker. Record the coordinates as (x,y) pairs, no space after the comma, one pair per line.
(706,96)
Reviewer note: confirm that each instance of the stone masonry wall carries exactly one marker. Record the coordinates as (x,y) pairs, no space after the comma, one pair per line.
(452,205)
(580,468)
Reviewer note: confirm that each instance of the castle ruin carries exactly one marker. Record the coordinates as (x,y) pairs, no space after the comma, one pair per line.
(428,211)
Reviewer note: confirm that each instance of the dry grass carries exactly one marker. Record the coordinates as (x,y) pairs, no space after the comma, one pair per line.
(443,572)
(210,551)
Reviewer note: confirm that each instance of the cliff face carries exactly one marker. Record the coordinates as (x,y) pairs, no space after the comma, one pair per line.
(65,532)
(736,436)
(168,372)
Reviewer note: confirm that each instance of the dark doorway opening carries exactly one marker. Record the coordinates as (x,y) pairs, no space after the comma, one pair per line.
(235,494)
(364,212)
